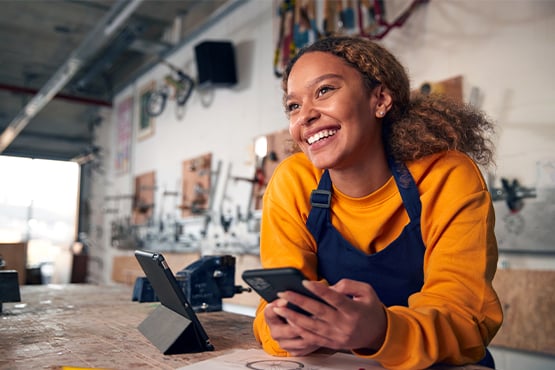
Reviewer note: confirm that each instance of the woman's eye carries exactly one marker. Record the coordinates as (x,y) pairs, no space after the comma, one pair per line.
(291,107)
(324,89)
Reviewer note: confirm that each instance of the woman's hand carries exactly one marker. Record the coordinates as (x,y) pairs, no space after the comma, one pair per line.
(285,333)
(350,323)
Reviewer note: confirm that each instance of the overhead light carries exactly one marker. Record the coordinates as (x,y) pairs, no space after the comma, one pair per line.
(261,147)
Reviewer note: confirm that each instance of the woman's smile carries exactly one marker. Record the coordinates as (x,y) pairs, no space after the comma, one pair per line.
(322,135)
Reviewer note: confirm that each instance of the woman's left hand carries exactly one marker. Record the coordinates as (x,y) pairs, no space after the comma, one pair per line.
(351,323)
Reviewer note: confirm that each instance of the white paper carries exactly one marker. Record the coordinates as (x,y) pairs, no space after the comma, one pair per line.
(257,359)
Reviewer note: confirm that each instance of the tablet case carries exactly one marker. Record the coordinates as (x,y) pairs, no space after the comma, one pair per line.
(173,327)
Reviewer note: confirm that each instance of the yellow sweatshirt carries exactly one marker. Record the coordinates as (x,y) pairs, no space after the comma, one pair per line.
(457,312)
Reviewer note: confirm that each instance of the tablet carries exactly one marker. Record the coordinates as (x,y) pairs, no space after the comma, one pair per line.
(169,293)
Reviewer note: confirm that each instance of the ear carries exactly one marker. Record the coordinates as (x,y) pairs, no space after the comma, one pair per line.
(382,101)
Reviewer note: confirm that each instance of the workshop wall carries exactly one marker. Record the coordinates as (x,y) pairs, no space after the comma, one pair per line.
(222,121)
(502,49)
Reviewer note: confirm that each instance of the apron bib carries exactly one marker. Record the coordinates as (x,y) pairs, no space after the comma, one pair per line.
(395,272)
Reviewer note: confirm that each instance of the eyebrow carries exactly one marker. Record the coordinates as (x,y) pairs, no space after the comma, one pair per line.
(316,81)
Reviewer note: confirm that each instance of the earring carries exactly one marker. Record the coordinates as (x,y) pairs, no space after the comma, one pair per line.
(381,114)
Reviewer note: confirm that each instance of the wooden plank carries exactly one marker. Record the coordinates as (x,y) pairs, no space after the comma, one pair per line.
(528,300)
(126,269)
(15,258)
(451,87)
(245,262)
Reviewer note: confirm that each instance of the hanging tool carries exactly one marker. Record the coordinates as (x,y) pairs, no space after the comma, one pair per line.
(183,85)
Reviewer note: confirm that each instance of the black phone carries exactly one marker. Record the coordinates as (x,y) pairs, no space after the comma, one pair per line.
(268,282)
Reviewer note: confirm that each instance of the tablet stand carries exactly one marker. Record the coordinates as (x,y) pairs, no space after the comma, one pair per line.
(171,332)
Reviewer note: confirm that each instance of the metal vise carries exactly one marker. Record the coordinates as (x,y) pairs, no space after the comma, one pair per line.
(205,283)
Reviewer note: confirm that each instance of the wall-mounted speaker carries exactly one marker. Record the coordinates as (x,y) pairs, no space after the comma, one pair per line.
(215,64)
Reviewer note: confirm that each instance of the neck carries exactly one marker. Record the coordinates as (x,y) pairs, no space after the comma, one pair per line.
(362,179)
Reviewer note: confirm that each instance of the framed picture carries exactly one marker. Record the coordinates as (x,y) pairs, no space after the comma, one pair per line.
(146,122)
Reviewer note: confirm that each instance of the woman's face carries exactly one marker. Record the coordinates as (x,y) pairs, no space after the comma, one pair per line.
(332,117)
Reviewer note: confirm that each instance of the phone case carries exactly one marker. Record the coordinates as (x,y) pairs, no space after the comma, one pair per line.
(268,282)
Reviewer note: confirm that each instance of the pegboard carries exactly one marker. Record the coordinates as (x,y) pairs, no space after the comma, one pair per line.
(196,185)
(280,146)
(143,199)
(451,87)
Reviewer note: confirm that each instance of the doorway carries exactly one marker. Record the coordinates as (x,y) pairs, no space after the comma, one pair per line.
(39,207)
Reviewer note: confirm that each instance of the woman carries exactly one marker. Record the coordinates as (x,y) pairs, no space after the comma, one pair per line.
(400,229)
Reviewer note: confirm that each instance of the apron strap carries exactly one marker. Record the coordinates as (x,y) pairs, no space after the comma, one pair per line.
(407,188)
(320,199)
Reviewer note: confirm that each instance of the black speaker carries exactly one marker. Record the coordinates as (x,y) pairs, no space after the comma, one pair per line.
(215,63)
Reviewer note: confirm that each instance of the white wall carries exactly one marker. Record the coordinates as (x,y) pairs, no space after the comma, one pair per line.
(504,48)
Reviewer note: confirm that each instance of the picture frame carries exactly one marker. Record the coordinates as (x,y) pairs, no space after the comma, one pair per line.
(146,122)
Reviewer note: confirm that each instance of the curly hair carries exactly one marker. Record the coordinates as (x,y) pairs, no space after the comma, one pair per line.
(417,125)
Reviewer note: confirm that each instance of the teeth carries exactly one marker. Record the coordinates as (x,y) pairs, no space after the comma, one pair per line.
(320,135)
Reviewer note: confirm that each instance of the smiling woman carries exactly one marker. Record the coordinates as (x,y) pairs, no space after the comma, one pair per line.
(39,200)
(386,205)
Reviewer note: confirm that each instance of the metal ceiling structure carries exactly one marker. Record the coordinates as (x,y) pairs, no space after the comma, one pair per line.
(64,60)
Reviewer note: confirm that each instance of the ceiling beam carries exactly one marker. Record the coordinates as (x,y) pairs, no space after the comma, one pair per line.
(46,137)
(93,42)
(73,98)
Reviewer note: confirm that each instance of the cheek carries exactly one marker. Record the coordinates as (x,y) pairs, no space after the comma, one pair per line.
(294,130)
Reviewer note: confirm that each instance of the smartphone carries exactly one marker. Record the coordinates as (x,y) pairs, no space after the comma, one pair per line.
(268,282)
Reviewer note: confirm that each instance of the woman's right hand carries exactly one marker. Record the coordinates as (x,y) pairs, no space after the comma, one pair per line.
(284,333)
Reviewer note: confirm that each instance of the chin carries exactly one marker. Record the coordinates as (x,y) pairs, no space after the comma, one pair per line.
(320,163)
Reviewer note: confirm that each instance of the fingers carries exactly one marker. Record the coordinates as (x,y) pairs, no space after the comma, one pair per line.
(355,289)
(284,332)
(352,317)
(334,299)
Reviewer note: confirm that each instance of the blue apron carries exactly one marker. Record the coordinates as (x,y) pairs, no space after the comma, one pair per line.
(395,272)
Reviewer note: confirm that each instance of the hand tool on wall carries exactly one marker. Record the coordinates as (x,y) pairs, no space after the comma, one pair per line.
(285,46)
(305,30)
(181,82)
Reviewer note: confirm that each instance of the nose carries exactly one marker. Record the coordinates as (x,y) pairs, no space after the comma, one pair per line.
(306,115)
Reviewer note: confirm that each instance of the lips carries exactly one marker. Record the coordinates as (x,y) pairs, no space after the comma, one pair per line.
(320,135)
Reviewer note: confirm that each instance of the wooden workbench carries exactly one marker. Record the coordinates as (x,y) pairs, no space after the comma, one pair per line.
(93,326)
(83,325)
